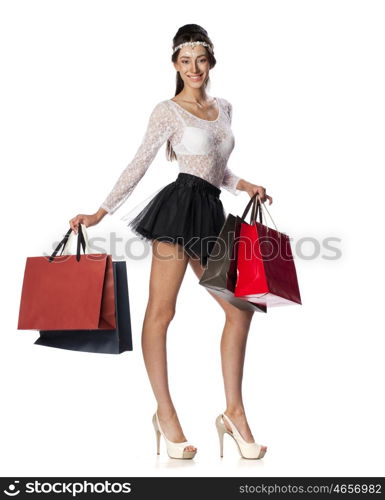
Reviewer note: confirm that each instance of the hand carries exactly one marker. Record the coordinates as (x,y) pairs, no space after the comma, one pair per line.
(87,220)
(253,188)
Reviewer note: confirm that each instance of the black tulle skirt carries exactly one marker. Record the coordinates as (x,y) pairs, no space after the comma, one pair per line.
(188,212)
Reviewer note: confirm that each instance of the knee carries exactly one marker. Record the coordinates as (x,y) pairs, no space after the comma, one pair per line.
(160,313)
(239,317)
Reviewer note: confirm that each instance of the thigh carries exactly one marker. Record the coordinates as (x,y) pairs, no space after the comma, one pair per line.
(168,267)
(232,312)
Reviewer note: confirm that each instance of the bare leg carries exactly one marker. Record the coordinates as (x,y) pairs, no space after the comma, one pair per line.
(168,268)
(233,348)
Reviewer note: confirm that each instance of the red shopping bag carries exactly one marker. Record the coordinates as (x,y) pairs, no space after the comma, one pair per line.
(265,266)
(68,292)
(220,274)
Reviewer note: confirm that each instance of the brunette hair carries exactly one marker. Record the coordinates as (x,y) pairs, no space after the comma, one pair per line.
(189,33)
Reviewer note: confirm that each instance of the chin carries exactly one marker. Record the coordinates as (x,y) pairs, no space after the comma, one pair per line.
(196,84)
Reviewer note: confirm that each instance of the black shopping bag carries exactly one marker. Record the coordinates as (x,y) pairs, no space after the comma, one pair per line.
(220,275)
(113,341)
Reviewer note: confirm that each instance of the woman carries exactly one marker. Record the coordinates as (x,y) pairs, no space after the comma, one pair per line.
(177,221)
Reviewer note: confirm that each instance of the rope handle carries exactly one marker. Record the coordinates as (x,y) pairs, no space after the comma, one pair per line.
(255,200)
(82,242)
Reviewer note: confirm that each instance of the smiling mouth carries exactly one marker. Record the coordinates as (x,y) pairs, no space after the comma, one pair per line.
(197,77)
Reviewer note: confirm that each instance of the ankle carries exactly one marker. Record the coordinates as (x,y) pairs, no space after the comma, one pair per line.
(238,411)
(166,412)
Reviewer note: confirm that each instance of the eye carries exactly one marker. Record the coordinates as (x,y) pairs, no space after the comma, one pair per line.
(201,60)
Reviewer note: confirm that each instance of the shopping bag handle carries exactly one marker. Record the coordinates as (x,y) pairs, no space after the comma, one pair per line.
(264,207)
(255,209)
(257,205)
(81,242)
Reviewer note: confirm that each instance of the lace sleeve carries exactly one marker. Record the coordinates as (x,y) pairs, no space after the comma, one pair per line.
(160,127)
(230,179)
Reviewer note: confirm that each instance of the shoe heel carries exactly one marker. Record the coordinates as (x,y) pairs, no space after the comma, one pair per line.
(157,442)
(221,432)
(157,435)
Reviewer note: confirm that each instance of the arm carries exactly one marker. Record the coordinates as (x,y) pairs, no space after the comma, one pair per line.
(235,184)
(231,181)
(160,127)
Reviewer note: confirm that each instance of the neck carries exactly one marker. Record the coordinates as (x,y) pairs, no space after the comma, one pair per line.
(195,95)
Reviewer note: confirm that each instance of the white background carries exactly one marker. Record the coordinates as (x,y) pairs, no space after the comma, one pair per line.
(306,80)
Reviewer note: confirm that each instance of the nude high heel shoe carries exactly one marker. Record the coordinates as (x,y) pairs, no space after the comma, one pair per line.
(174,450)
(246,450)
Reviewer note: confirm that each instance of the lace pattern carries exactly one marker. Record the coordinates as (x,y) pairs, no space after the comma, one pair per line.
(202,148)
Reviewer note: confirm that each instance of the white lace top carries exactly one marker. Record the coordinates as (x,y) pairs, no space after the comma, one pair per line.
(202,148)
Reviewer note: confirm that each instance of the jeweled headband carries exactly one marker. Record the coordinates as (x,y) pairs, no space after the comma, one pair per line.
(193,45)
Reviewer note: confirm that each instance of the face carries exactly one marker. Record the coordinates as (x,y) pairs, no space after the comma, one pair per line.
(193,61)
